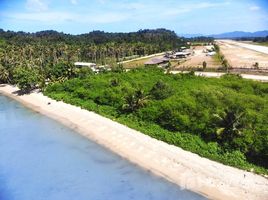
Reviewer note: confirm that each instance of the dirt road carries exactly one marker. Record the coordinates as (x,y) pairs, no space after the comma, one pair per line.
(141,58)
(219,74)
(242,55)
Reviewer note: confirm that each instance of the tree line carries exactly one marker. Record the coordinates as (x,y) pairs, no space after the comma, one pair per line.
(43,51)
(254,39)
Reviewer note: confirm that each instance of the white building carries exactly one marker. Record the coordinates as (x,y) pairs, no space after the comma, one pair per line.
(85,64)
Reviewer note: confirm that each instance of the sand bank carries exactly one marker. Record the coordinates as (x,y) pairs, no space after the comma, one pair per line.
(188,170)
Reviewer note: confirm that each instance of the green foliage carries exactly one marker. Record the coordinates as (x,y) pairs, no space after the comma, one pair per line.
(51,47)
(118,68)
(82,72)
(204,64)
(219,57)
(135,100)
(161,91)
(223,119)
(59,71)
(256,65)
(26,79)
(4,75)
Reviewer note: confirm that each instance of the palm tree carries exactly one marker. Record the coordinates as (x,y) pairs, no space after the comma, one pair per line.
(4,75)
(135,100)
(230,124)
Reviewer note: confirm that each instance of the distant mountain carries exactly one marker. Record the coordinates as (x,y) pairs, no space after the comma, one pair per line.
(240,34)
(186,35)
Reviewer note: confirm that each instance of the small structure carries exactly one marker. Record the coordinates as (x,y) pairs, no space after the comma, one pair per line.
(85,64)
(211,53)
(92,66)
(162,62)
(103,68)
(182,54)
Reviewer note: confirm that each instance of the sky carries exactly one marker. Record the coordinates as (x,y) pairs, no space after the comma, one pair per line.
(182,16)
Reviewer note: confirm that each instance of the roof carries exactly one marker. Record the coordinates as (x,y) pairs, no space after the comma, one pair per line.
(182,53)
(211,53)
(156,61)
(85,64)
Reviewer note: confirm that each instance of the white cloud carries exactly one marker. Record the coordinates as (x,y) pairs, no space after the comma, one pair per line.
(36,5)
(254,8)
(181,9)
(74,2)
(60,17)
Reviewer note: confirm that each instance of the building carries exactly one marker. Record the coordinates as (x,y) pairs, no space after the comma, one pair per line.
(182,54)
(162,62)
(92,66)
(85,64)
(211,53)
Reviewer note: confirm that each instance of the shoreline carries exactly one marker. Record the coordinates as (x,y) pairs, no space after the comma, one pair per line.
(188,170)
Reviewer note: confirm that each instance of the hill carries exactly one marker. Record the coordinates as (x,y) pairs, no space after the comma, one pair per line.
(148,36)
(47,48)
(240,34)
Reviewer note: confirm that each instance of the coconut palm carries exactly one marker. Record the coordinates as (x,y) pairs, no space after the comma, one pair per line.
(135,100)
(230,124)
(4,75)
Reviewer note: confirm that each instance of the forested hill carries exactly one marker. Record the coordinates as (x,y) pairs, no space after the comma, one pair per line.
(157,36)
(47,48)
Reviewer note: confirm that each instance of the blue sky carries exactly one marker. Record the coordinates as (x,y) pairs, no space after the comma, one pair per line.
(182,16)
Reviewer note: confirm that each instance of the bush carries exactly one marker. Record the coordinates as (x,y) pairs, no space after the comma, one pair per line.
(222,119)
(27,79)
(161,91)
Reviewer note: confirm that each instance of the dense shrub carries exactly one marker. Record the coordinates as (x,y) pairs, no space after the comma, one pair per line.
(223,119)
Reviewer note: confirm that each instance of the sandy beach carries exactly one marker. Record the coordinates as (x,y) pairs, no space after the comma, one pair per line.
(188,170)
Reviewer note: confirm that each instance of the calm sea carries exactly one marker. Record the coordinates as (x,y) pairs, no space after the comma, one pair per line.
(41,159)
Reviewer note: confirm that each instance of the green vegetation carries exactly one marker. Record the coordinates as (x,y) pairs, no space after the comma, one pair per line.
(262,43)
(256,40)
(26,79)
(219,58)
(200,41)
(204,64)
(222,119)
(50,54)
(50,47)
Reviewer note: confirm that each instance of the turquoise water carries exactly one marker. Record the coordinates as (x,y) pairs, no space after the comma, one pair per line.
(41,159)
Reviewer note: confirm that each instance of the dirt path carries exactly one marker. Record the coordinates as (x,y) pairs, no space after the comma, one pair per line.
(219,74)
(141,58)
(254,47)
(242,55)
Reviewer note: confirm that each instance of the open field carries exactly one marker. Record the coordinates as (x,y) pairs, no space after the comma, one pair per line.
(255,43)
(243,55)
(198,58)
(195,60)
(139,61)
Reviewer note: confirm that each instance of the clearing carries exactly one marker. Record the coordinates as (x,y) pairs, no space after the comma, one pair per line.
(242,55)
(196,60)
